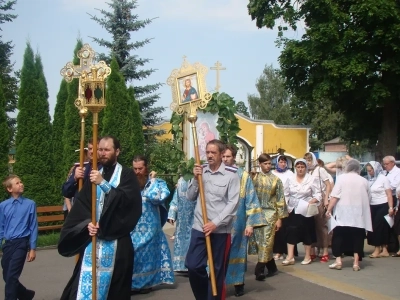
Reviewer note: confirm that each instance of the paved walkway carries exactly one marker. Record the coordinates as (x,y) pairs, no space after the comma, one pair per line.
(378,280)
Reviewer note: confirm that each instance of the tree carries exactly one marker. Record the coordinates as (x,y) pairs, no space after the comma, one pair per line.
(242,108)
(273,99)
(325,123)
(57,152)
(120,23)
(117,118)
(72,125)
(33,136)
(8,77)
(137,131)
(4,136)
(349,55)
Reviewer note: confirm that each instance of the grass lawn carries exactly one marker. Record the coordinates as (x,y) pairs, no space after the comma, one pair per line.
(49,239)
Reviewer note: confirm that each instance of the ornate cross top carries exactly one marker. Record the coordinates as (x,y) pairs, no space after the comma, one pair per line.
(218,67)
(87,56)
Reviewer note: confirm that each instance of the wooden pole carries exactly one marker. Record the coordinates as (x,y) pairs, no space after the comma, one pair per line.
(83,113)
(94,197)
(192,119)
(81,148)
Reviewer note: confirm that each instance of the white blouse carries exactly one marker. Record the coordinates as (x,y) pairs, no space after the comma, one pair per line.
(378,190)
(352,208)
(322,175)
(283,176)
(304,191)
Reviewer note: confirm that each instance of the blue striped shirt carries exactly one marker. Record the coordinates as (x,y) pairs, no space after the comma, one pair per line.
(18,219)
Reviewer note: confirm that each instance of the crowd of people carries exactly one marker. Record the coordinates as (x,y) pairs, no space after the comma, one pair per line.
(265,214)
(323,207)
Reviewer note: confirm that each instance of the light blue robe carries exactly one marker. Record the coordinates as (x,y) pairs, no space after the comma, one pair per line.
(105,251)
(181,211)
(248,214)
(152,258)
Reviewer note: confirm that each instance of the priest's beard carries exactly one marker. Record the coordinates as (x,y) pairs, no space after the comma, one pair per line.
(108,162)
(142,178)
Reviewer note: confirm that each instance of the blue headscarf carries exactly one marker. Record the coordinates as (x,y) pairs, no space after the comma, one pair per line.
(277,164)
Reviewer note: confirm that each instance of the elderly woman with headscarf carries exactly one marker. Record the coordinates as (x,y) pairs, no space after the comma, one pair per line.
(350,200)
(325,188)
(381,204)
(301,190)
(282,170)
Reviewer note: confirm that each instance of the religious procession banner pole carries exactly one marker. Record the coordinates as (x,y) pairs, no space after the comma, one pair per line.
(93,84)
(92,89)
(86,57)
(188,94)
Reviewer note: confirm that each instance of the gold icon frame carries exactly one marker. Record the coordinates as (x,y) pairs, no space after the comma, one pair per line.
(197,73)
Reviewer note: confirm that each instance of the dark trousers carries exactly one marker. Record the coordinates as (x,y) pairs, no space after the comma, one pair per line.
(196,262)
(14,256)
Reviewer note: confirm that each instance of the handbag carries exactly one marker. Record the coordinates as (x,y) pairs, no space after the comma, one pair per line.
(312,210)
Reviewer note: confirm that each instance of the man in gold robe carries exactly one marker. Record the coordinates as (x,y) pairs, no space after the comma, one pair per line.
(269,189)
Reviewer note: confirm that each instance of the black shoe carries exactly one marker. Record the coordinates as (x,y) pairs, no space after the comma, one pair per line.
(272,268)
(239,290)
(272,273)
(260,277)
(145,291)
(28,295)
(259,271)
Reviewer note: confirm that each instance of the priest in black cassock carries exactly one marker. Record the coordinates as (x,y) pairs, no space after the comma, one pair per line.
(119,207)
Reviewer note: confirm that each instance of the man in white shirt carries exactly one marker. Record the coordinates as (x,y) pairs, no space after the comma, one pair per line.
(392,172)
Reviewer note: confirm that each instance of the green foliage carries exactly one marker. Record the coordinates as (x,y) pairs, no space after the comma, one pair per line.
(349,56)
(185,168)
(4,136)
(33,162)
(117,118)
(137,131)
(227,124)
(242,108)
(8,77)
(120,23)
(57,152)
(176,128)
(48,239)
(165,156)
(273,99)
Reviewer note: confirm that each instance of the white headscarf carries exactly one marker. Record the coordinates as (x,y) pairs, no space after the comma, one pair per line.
(300,160)
(314,162)
(377,170)
(353,165)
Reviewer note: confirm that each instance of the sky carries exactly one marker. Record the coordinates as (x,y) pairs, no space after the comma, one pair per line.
(204,31)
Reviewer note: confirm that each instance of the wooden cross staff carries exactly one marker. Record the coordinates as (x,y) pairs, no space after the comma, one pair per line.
(86,59)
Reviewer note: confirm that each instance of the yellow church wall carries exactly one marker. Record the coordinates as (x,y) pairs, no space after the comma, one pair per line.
(292,138)
(166,126)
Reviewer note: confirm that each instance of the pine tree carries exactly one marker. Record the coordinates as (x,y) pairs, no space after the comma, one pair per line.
(137,132)
(120,23)
(57,133)
(242,108)
(33,163)
(117,119)
(8,77)
(72,126)
(4,135)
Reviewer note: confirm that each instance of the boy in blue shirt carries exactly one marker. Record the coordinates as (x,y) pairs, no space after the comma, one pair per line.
(19,229)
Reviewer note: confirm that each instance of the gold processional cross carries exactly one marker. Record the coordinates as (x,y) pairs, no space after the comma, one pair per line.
(87,57)
(218,67)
